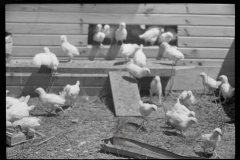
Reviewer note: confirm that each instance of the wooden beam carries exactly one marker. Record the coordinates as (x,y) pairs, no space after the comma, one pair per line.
(112,18)
(126,8)
(184,62)
(52,29)
(206,31)
(84,67)
(30,90)
(185,79)
(92,53)
(40,79)
(48,40)
(189,79)
(201,62)
(80,40)
(205,42)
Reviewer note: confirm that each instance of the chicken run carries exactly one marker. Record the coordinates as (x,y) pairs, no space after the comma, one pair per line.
(200,121)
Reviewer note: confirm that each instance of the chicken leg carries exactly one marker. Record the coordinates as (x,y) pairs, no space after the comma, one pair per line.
(141,125)
(101,45)
(70,59)
(215,152)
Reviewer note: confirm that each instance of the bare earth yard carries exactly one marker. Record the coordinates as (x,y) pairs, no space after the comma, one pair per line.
(96,122)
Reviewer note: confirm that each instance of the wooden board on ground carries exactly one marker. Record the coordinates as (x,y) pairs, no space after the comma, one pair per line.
(125,94)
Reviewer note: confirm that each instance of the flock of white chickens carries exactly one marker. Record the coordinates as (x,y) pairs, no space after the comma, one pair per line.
(179,116)
(151,35)
(17,110)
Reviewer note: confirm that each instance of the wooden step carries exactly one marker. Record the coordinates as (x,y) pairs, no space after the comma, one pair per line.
(86,67)
(125,94)
(186,78)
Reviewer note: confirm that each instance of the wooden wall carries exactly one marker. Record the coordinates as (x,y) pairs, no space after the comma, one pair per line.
(206,32)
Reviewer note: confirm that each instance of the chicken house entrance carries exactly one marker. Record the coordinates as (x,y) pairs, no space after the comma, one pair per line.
(133,32)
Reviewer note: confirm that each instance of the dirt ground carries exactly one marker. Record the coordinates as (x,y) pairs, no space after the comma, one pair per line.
(96,121)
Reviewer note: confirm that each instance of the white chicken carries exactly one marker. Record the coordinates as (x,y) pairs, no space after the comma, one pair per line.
(165,37)
(140,58)
(109,32)
(99,36)
(137,72)
(209,82)
(171,52)
(226,89)
(146,109)
(211,140)
(151,34)
(156,88)
(72,92)
(18,113)
(121,33)
(21,104)
(27,123)
(50,101)
(126,50)
(68,48)
(49,59)
(180,121)
(187,98)
(11,101)
(178,107)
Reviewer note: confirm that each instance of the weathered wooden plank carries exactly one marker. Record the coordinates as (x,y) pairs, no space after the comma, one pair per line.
(84,67)
(206,31)
(208,53)
(125,94)
(54,40)
(111,18)
(48,40)
(38,79)
(59,29)
(29,90)
(188,79)
(92,53)
(185,79)
(201,62)
(220,42)
(127,8)
(184,62)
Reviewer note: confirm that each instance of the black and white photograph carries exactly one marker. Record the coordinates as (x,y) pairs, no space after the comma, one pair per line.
(120,80)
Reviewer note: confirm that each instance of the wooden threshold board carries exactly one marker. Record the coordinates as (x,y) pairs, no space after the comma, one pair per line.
(86,67)
(125,94)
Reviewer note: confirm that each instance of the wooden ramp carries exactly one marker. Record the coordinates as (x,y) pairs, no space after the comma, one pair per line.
(125,94)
